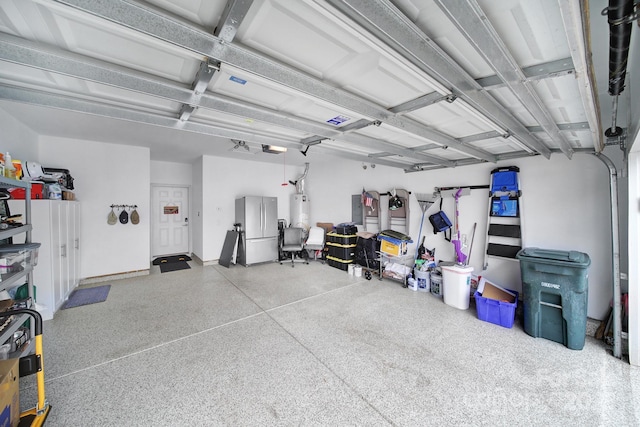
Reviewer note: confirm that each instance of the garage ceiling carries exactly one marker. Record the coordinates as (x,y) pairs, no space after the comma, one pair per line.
(412,84)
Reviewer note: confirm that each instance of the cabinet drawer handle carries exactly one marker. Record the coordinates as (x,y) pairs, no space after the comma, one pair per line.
(63,250)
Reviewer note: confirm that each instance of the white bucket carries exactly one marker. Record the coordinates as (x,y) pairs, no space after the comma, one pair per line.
(422,277)
(456,282)
(436,284)
(350,269)
(357,271)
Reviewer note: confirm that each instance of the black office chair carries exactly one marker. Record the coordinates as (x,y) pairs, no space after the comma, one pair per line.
(293,244)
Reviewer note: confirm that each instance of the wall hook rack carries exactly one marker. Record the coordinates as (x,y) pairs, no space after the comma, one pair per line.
(124,206)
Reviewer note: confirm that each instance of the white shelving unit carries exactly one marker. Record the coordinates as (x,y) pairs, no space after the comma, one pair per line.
(12,279)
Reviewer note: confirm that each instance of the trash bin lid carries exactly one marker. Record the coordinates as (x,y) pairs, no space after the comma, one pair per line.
(574,258)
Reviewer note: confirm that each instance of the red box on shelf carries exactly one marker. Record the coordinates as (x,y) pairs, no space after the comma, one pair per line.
(20,193)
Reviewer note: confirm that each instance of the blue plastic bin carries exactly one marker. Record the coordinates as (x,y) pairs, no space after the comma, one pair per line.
(498,312)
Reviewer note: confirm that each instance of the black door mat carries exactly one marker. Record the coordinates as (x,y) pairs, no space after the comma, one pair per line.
(174,266)
(171,259)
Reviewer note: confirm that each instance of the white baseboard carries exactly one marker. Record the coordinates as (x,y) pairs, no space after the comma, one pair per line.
(117,276)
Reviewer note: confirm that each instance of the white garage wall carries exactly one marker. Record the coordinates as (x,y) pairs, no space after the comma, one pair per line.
(171,173)
(225,180)
(17,139)
(565,207)
(106,174)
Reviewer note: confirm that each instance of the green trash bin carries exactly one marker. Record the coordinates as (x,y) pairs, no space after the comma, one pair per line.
(555,294)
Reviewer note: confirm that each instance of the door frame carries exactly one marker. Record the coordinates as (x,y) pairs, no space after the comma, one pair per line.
(153,213)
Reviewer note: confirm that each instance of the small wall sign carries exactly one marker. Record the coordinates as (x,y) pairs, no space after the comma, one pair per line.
(171,210)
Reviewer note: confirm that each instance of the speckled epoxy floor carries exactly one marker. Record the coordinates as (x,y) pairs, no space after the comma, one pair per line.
(311,345)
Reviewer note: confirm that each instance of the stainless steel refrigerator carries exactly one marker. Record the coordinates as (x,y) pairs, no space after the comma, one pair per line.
(258,219)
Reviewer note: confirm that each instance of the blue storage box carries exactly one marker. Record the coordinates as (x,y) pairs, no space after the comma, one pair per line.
(493,311)
(505,180)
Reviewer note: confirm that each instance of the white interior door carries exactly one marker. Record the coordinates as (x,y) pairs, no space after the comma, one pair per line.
(170,225)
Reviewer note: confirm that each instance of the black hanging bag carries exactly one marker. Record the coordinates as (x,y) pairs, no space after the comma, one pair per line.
(440,221)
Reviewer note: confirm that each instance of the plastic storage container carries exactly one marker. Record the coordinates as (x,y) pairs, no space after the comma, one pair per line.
(501,313)
(456,286)
(345,252)
(555,294)
(342,239)
(16,258)
(342,264)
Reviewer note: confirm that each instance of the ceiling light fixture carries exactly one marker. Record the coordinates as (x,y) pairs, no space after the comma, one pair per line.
(273,149)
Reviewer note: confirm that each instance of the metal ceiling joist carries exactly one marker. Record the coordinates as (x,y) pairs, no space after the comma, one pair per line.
(564,127)
(576,22)
(426,147)
(204,75)
(44,99)
(28,53)
(232,16)
(467,162)
(382,19)
(464,140)
(469,18)
(185,112)
(480,137)
(88,107)
(352,156)
(547,70)
(140,18)
(360,124)
(421,102)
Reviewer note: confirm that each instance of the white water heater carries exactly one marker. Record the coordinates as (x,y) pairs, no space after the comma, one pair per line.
(300,211)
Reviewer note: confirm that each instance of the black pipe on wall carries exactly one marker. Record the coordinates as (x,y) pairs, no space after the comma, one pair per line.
(620,26)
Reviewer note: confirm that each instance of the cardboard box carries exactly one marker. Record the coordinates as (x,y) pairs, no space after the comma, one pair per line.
(328,226)
(9,393)
(490,290)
